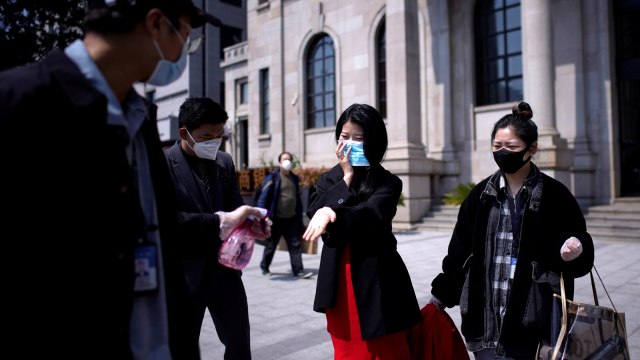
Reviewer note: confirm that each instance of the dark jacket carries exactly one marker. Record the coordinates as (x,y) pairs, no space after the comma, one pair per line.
(199,226)
(551,216)
(384,294)
(270,193)
(71,218)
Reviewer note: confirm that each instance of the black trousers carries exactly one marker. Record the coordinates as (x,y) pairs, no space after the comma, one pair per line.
(290,229)
(222,292)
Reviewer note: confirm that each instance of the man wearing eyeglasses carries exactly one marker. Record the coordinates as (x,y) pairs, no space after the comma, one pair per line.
(206,184)
(90,267)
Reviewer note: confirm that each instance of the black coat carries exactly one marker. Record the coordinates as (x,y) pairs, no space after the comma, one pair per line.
(71,218)
(384,294)
(552,218)
(199,226)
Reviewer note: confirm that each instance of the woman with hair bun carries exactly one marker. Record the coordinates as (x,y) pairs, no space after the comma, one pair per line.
(516,232)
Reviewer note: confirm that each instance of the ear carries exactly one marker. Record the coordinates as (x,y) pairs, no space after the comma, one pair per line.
(154,22)
(183,134)
(533,148)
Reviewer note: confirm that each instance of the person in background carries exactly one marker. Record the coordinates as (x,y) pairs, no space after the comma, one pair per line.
(89,208)
(206,183)
(281,196)
(363,285)
(515,230)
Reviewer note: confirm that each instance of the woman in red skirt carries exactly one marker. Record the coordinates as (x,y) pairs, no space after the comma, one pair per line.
(363,285)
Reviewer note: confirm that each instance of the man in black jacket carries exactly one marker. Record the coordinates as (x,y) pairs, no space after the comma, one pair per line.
(207,187)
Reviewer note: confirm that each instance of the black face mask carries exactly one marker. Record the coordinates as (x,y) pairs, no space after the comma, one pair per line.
(510,161)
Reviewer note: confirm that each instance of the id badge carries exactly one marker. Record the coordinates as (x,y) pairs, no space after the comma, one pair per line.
(146,269)
(512,273)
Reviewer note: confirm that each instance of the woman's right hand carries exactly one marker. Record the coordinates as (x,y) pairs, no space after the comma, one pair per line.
(318,224)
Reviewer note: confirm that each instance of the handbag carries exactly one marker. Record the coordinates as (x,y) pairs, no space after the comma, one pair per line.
(582,331)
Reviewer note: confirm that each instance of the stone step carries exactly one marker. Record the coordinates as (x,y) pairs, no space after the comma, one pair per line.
(613,222)
(604,234)
(617,222)
(441,218)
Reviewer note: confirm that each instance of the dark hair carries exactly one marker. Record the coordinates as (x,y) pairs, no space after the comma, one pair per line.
(197,111)
(375,130)
(520,121)
(374,145)
(285,152)
(123,15)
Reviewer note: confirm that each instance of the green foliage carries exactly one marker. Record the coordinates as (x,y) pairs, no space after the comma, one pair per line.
(401,200)
(30,29)
(458,194)
(264,163)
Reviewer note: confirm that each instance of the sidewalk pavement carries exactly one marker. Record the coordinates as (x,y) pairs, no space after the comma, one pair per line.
(285,327)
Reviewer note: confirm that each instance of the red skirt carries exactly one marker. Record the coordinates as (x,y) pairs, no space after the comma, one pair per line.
(343,324)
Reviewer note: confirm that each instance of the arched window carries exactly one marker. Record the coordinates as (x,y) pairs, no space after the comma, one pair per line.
(498,43)
(381,70)
(320,85)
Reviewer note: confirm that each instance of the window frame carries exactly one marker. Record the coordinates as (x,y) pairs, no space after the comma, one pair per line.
(320,83)
(498,59)
(265,126)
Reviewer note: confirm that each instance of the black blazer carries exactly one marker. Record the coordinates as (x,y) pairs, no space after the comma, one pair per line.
(384,294)
(72,217)
(199,226)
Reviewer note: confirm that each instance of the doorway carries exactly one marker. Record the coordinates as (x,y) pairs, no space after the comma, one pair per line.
(243,143)
(627,40)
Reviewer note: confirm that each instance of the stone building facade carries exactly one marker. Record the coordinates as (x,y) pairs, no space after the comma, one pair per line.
(443,72)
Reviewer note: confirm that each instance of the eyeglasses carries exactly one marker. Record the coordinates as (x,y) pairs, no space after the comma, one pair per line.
(192,44)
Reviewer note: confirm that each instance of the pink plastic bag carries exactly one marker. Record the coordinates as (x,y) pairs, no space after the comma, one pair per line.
(236,250)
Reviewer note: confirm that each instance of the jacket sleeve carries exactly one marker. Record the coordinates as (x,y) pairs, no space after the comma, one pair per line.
(566,216)
(353,214)
(266,192)
(447,286)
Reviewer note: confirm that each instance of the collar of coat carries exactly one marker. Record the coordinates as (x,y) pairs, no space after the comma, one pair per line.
(532,184)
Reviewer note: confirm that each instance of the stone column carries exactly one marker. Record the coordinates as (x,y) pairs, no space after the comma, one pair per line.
(438,64)
(438,97)
(406,154)
(539,89)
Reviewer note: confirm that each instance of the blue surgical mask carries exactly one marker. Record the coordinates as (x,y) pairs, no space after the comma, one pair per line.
(166,71)
(356,156)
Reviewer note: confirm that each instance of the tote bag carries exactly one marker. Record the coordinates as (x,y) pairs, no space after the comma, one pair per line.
(583,331)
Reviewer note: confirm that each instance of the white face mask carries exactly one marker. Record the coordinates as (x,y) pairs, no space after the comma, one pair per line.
(287,164)
(166,71)
(205,149)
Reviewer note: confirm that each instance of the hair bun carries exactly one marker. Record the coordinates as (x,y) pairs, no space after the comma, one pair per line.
(523,109)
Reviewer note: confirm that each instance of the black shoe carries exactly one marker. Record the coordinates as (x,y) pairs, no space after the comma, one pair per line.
(266,273)
(303,275)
